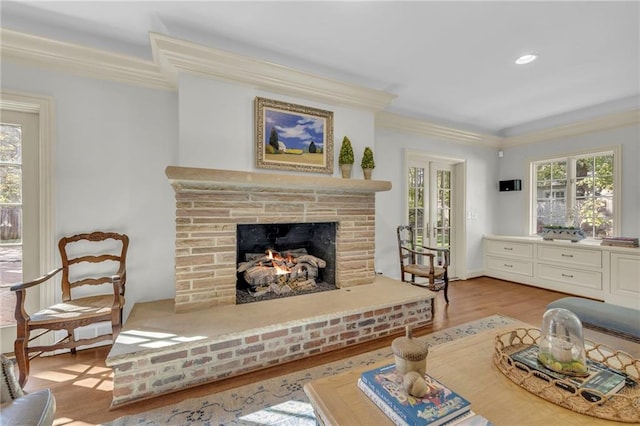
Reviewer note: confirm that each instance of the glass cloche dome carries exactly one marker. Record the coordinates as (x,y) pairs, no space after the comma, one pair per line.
(561,344)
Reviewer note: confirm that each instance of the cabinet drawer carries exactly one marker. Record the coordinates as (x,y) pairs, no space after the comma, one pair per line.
(580,278)
(505,248)
(510,265)
(574,257)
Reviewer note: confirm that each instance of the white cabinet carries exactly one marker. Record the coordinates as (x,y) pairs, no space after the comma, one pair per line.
(568,255)
(563,266)
(585,269)
(570,276)
(505,258)
(510,266)
(509,248)
(625,279)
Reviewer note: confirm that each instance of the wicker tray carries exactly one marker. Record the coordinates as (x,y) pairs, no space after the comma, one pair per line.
(623,406)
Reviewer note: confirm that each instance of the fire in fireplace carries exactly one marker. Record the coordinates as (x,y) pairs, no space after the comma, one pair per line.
(284,259)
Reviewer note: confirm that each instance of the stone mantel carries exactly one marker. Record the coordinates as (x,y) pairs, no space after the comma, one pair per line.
(199,178)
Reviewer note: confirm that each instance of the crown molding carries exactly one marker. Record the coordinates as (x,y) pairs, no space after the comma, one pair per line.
(176,56)
(81,60)
(424,128)
(172,56)
(619,119)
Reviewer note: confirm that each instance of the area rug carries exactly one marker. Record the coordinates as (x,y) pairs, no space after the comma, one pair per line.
(281,401)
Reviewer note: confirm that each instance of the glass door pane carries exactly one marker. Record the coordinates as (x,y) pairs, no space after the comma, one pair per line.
(10,217)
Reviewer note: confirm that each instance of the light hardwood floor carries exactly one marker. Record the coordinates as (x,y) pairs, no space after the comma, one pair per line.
(82,384)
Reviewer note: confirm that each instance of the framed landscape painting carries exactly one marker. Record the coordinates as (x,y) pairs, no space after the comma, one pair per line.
(293,137)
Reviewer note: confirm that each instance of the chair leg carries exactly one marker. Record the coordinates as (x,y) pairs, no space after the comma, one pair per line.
(116,324)
(446,289)
(72,340)
(22,356)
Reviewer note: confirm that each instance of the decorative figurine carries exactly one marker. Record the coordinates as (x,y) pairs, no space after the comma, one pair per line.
(410,354)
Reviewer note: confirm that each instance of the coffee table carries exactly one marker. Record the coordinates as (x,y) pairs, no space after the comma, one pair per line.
(466,366)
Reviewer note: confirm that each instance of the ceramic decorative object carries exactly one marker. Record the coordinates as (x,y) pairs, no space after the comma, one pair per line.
(345,170)
(410,354)
(414,384)
(561,344)
(562,233)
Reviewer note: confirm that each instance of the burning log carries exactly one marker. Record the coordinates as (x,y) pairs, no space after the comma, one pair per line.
(293,270)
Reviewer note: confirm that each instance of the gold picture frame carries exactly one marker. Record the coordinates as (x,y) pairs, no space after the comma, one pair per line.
(293,137)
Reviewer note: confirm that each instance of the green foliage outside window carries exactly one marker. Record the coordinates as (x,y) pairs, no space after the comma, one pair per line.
(10,183)
(576,191)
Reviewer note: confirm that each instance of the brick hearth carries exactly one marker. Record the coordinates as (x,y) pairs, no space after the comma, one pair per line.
(160,351)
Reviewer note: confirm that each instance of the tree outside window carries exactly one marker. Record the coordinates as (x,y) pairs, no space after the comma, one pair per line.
(10,183)
(576,191)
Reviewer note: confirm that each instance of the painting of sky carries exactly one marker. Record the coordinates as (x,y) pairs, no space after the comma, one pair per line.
(294,130)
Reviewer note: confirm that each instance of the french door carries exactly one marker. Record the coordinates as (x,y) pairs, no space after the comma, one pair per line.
(19,209)
(430,205)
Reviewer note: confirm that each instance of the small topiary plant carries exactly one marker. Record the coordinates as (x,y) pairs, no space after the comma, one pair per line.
(346,152)
(367,159)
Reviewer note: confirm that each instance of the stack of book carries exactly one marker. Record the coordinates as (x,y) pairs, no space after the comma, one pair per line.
(601,382)
(440,406)
(619,242)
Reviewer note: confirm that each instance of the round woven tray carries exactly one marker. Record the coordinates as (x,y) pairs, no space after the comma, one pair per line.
(623,406)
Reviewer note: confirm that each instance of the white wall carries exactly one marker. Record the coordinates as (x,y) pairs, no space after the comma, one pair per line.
(511,217)
(217,127)
(112,144)
(481,193)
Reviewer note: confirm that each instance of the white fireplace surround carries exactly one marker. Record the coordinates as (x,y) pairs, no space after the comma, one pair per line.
(210,203)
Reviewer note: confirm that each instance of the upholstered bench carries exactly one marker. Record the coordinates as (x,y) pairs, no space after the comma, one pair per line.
(603,317)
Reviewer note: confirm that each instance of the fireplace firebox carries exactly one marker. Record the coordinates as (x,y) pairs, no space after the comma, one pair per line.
(284,259)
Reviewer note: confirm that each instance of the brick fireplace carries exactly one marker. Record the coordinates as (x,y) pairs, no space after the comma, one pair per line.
(168,345)
(211,203)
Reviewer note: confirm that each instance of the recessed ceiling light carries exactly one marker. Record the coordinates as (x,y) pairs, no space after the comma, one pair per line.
(526,59)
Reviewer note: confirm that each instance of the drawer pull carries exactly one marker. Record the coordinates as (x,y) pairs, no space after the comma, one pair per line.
(567,275)
(508,266)
(567,255)
(508,248)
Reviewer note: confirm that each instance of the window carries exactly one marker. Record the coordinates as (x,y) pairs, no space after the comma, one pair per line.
(577,191)
(10,184)
(10,215)
(416,201)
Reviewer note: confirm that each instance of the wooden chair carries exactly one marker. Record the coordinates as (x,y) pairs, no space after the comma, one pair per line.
(87,260)
(433,266)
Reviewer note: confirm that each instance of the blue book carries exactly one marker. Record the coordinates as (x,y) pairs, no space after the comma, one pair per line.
(439,406)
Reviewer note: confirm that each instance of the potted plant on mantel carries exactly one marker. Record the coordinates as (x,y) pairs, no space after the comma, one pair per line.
(346,157)
(367,162)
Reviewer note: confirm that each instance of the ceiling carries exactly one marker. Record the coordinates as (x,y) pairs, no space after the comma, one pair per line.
(448,62)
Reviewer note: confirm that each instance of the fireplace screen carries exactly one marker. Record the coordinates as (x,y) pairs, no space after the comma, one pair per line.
(284,259)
